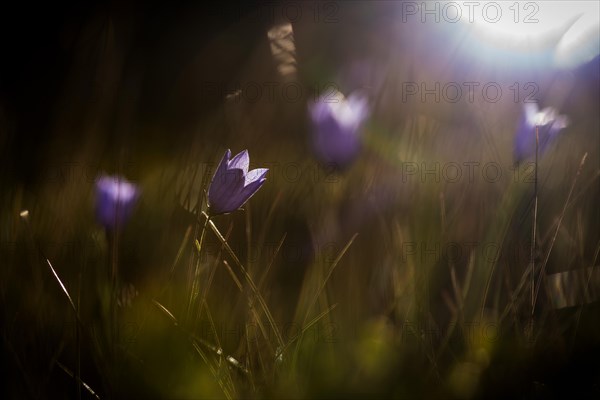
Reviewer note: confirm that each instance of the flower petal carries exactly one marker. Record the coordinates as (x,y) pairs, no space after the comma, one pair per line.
(560,122)
(222,167)
(241,161)
(548,123)
(531,111)
(249,190)
(255,175)
(219,173)
(234,201)
(224,190)
(115,198)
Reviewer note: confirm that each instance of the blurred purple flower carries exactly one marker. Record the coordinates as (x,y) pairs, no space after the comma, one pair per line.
(336,123)
(232,185)
(115,199)
(549,123)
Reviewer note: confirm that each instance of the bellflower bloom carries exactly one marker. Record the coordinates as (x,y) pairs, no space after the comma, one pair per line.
(232,184)
(115,199)
(336,125)
(549,123)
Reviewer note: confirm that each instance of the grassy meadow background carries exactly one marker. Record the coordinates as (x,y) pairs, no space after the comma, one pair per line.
(405,275)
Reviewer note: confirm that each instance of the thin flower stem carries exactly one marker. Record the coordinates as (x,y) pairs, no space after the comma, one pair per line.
(562,214)
(196,278)
(76,308)
(329,273)
(250,282)
(534,227)
(85,385)
(114,294)
(78,339)
(25,216)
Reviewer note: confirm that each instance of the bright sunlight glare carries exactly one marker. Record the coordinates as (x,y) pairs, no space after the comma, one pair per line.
(569,30)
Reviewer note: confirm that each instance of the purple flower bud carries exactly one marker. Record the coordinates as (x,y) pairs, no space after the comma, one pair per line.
(337,123)
(115,199)
(549,123)
(232,185)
